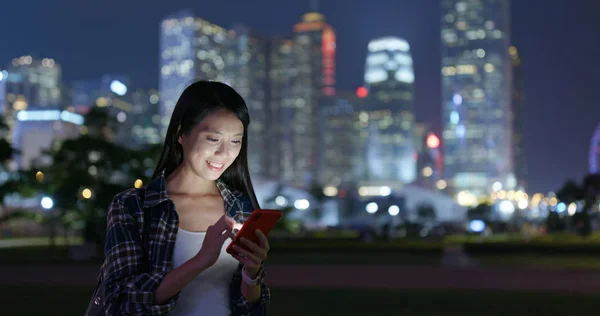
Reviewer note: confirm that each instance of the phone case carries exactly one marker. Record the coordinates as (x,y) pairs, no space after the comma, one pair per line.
(264,220)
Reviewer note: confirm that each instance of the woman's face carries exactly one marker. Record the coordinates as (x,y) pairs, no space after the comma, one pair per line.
(212,146)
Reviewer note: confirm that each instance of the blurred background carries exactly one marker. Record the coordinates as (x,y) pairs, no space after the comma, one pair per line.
(432,157)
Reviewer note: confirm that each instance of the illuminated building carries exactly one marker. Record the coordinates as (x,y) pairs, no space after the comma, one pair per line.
(101,92)
(312,75)
(195,49)
(518,119)
(381,129)
(29,81)
(315,46)
(301,72)
(33,81)
(280,79)
(429,157)
(476,95)
(110,92)
(3,79)
(594,154)
(246,72)
(340,161)
(281,108)
(36,130)
(389,79)
(136,119)
(177,61)
(358,139)
(389,74)
(143,123)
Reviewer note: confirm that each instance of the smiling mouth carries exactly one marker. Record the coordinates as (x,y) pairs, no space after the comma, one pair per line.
(214,165)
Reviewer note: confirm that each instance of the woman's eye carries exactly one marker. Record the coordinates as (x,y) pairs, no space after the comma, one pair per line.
(210,139)
(236,141)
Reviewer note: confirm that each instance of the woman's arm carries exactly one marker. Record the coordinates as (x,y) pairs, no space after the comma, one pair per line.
(240,304)
(254,294)
(251,292)
(130,287)
(177,279)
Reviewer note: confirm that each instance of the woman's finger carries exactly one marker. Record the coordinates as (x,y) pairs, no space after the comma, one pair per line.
(243,260)
(246,254)
(253,246)
(264,242)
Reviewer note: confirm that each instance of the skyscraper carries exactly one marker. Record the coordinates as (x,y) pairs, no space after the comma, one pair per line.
(3,79)
(313,54)
(339,158)
(518,119)
(32,82)
(281,108)
(195,49)
(36,82)
(476,95)
(389,79)
(189,48)
(246,71)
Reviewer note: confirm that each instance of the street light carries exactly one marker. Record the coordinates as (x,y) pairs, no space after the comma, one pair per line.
(39,176)
(47,203)
(302,204)
(86,193)
(372,207)
(281,201)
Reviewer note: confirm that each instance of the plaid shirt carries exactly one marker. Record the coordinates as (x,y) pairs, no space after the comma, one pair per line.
(129,288)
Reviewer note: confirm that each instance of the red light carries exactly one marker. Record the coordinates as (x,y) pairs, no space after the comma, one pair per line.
(362,92)
(433,141)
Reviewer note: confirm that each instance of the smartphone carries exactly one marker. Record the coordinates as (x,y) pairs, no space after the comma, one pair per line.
(264,220)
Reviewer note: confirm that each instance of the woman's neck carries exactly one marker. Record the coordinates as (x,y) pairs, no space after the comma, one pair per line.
(183,181)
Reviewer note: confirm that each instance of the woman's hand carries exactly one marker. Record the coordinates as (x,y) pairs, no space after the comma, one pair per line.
(213,241)
(252,260)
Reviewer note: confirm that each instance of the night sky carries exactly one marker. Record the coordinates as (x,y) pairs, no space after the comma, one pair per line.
(558,40)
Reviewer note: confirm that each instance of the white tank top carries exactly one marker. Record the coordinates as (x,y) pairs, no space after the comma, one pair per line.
(207,293)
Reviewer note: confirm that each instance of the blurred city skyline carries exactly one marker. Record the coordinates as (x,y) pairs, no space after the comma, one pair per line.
(555,40)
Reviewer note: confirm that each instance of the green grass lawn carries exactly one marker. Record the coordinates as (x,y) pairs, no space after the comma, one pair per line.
(29,300)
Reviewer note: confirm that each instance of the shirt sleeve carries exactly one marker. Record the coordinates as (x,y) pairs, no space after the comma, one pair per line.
(240,306)
(129,285)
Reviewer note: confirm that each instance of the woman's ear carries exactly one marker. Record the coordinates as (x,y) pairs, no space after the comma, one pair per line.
(180,137)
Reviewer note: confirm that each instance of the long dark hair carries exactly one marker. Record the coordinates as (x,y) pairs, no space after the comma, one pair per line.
(197,101)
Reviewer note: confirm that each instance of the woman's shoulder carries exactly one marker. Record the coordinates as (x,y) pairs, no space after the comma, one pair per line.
(131,193)
(127,201)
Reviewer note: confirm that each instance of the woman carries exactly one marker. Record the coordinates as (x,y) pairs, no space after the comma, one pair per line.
(200,190)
